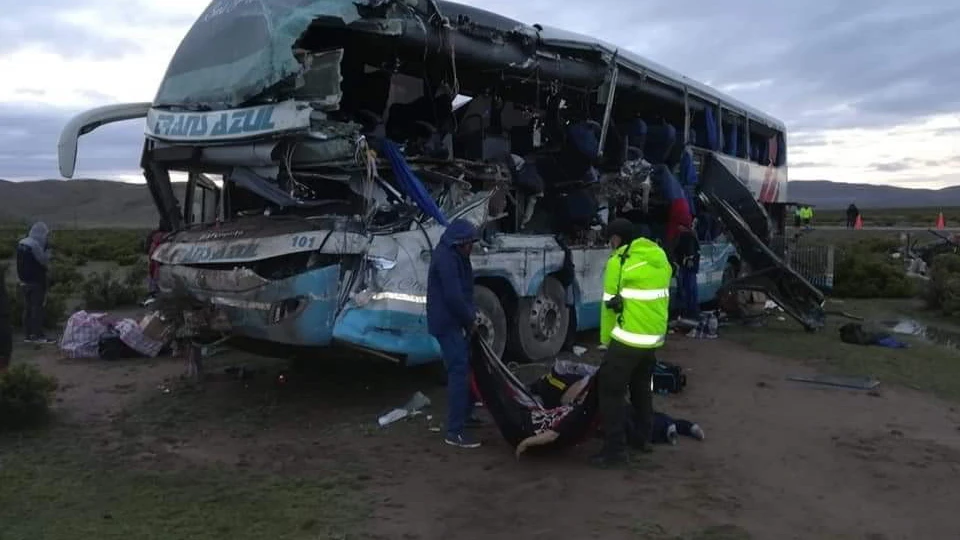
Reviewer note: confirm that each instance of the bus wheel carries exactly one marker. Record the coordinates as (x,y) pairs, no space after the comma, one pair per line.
(540,324)
(491,319)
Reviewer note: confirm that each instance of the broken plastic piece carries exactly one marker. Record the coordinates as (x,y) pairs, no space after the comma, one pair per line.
(858,383)
(412,408)
(417,402)
(392,416)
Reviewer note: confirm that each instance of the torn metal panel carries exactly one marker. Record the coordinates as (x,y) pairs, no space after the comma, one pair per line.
(237,280)
(297,310)
(768,273)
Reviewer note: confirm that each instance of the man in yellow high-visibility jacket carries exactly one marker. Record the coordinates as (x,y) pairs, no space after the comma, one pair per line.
(633,325)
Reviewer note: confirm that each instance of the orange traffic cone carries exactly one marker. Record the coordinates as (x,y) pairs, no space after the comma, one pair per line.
(940,223)
(858,224)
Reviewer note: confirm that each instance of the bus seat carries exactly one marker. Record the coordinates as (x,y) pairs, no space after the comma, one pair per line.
(521,140)
(584,137)
(495,147)
(614,150)
(468,143)
(635,131)
(634,153)
(660,141)
(576,211)
(665,184)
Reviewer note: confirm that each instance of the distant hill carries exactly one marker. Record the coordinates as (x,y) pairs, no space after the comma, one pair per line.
(835,195)
(103,203)
(81,203)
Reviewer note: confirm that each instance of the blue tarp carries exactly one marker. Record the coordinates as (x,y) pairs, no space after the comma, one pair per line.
(409,184)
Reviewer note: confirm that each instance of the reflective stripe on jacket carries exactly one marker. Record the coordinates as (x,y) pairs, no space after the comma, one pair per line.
(642,279)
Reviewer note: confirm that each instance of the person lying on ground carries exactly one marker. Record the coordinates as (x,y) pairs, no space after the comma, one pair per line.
(562,385)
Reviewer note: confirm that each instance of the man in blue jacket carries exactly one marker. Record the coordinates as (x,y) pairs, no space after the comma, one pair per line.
(451,319)
(33,260)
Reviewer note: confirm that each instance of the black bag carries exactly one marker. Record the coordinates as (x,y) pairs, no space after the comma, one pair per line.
(668,378)
(111,347)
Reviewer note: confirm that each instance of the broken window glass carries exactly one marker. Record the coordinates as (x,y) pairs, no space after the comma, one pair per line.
(237,49)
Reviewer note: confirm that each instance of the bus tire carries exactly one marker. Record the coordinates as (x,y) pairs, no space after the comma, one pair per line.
(491,319)
(540,324)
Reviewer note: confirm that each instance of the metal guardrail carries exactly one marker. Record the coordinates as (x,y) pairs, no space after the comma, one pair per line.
(815,262)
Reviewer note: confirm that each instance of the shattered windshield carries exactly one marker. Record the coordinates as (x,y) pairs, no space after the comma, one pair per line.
(239,48)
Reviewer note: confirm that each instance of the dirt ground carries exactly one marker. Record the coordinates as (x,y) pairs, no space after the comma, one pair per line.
(780,460)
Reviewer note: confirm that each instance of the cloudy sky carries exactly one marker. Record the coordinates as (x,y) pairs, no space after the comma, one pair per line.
(869,89)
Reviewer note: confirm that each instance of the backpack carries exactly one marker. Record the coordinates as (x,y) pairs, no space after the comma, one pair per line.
(668,378)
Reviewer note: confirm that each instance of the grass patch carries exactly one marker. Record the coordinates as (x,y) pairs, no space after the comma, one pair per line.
(50,489)
(923,366)
(890,217)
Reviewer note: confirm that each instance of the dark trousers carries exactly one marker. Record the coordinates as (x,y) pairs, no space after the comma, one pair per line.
(34,295)
(455,351)
(6,332)
(624,367)
(689,294)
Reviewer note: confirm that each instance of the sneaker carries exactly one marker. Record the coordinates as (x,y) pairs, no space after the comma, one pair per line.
(697,432)
(462,441)
(43,341)
(29,340)
(672,434)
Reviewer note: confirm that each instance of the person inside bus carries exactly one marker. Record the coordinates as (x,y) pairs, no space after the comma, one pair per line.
(686,257)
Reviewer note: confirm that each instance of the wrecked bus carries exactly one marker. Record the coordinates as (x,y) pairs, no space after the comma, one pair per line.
(326,144)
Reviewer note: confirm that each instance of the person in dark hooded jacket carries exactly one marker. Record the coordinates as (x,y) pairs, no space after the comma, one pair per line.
(33,260)
(451,318)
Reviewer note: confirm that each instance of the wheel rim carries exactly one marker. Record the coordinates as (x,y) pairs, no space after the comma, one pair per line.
(544,318)
(485,327)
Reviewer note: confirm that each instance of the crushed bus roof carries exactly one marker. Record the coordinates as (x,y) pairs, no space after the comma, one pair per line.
(560,38)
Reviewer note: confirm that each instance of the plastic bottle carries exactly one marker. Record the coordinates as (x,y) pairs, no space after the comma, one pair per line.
(713,324)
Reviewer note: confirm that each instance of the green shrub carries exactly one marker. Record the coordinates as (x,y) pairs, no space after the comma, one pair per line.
(866,274)
(64,272)
(25,396)
(102,291)
(943,291)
